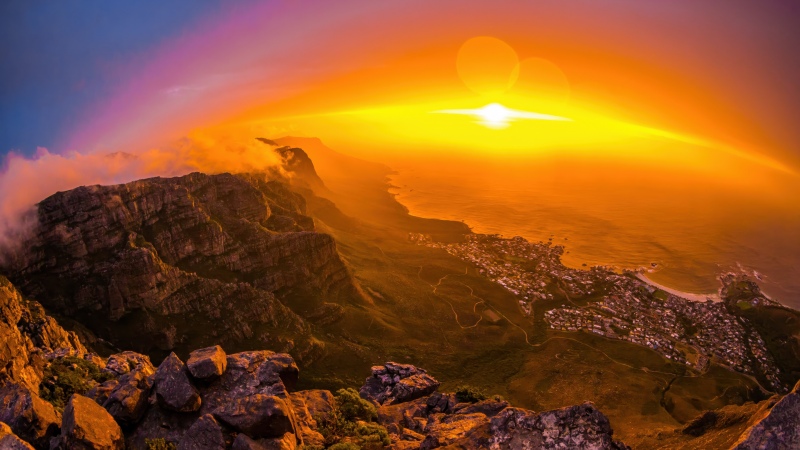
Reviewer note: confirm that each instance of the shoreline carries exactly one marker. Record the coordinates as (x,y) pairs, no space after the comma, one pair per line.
(701,298)
(394,188)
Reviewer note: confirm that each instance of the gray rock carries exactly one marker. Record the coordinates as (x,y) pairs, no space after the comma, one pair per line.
(30,417)
(397,383)
(207,363)
(779,429)
(174,391)
(87,426)
(204,434)
(575,427)
(128,398)
(10,441)
(258,416)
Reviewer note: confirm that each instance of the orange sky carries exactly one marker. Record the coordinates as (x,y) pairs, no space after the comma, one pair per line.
(721,71)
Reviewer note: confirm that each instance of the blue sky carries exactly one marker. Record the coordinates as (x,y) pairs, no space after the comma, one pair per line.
(60,56)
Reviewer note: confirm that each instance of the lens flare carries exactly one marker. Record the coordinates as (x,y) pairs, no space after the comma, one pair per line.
(497,116)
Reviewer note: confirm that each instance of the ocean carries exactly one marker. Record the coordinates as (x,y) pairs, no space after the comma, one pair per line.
(684,229)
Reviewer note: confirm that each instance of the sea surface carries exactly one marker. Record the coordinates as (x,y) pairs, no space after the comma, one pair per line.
(684,230)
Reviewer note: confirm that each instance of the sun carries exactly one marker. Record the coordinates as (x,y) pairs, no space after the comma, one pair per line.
(497,116)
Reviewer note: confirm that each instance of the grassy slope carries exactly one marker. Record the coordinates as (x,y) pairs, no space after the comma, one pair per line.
(412,324)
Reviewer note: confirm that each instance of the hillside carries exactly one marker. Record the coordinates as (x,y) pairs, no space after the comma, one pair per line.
(67,397)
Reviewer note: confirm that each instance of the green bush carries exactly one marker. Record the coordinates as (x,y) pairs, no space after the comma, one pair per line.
(344,446)
(351,424)
(469,394)
(159,444)
(66,376)
(353,407)
(311,447)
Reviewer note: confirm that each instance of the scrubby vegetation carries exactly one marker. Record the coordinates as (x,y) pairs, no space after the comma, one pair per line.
(66,376)
(351,424)
(470,394)
(159,444)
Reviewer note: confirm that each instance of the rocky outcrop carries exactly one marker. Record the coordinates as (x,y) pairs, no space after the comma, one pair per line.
(779,429)
(30,417)
(10,441)
(397,383)
(249,398)
(147,264)
(126,398)
(420,418)
(297,165)
(27,337)
(87,425)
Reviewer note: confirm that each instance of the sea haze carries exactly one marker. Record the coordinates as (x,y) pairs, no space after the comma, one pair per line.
(693,227)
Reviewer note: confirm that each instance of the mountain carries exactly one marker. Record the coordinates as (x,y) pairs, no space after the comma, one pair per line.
(359,189)
(164,263)
(155,269)
(66,397)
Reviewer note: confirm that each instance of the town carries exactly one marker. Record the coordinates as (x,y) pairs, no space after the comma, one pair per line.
(616,306)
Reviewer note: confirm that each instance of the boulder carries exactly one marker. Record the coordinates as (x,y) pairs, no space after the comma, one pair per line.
(312,409)
(397,383)
(320,403)
(412,388)
(574,427)
(207,363)
(174,391)
(258,416)
(124,362)
(286,442)
(128,398)
(779,429)
(30,417)
(10,441)
(88,426)
(204,434)
(442,430)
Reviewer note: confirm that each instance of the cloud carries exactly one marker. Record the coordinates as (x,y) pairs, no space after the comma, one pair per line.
(27,181)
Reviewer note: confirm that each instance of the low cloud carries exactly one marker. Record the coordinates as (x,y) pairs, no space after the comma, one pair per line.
(25,181)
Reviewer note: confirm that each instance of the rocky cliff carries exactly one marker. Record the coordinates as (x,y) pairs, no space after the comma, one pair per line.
(55,395)
(157,263)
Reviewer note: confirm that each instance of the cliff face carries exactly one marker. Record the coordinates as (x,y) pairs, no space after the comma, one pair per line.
(158,262)
(27,337)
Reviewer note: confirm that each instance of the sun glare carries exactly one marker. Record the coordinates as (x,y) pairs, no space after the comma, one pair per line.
(497,116)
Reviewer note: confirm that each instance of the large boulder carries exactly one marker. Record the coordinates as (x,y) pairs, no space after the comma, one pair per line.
(204,434)
(174,391)
(207,363)
(779,429)
(30,417)
(309,406)
(320,403)
(10,441)
(397,383)
(445,429)
(258,416)
(87,426)
(128,398)
(127,361)
(575,427)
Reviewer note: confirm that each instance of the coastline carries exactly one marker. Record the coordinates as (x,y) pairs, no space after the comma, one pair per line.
(685,295)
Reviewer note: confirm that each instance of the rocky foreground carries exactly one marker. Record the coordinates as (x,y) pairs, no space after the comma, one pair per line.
(54,394)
